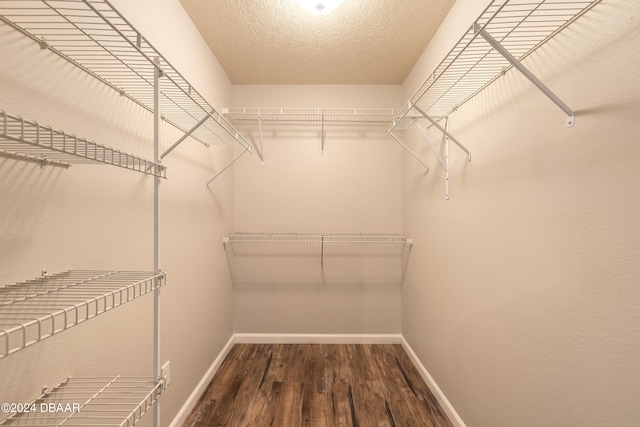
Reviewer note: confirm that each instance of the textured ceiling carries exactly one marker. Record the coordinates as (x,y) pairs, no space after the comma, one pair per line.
(278,42)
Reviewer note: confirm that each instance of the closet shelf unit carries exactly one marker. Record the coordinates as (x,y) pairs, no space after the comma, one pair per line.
(29,140)
(33,310)
(311,116)
(501,38)
(317,117)
(317,258)
(376,239)
(104,401)
(95,37)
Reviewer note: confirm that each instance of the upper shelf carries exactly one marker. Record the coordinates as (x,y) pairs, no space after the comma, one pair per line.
(30,140)
(33,310)
(520,26)
(311,116)
(92,35)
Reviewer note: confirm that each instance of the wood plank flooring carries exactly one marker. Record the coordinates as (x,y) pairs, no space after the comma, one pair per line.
(323,385)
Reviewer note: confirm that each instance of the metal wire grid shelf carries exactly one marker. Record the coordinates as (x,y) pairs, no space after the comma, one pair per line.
(519,26)
(92,35)
(100,401)
(317,258)
(30,140)
(362,238)
(33,310)
(311,116)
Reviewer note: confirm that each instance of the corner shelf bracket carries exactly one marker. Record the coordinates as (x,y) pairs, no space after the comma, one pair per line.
(188,133)
(444,131)
(525,71)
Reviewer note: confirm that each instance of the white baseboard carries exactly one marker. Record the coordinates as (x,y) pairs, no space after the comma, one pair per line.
(315,339)
(191,402)
(318,338)
(442,399)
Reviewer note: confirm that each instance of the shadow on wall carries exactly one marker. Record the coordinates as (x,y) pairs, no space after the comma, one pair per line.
(26,190)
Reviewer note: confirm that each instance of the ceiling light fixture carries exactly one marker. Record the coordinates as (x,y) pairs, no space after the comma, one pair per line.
(320,7)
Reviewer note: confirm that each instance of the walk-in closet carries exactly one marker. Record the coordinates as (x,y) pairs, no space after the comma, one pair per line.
(319,213)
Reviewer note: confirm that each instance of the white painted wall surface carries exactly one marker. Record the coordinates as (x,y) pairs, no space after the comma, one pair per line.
(521,297)
(355,186)
(101,217)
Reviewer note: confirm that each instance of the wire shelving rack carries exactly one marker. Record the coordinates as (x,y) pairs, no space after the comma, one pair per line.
(318,117)
(317,258)
(103,401)
(33,310)
(518,26)
(500,39)
(311,116)
(30,140)
(95,37)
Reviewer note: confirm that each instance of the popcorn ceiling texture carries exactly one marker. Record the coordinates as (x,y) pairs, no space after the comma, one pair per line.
(362,42)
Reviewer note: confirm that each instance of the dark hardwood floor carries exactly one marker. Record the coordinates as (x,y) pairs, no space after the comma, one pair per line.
(290,385)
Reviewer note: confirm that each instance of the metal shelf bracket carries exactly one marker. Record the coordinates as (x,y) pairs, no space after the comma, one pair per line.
(188,133)
(444,131)
(423,132)
(525,71)
(227,166)
(408,150)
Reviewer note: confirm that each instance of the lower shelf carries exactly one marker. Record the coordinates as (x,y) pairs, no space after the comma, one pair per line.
(36,309)
(99,401)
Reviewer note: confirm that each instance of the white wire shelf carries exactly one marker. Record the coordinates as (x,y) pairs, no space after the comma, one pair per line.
(317,258)
(33,310)
(30,140)
(92,35)
(99,401)
(311,116)
(520,26)
(395,240)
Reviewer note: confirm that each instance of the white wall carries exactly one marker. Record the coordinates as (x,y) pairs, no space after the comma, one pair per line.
(521,296)
(101,217)
(355,186)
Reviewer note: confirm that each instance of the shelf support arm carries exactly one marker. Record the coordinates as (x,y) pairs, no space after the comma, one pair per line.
(228,165)
(186,135)
(408,150)
(528,74)
(444,131)
(423,132)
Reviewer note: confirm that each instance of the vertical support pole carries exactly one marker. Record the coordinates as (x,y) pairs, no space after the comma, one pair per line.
(322,253)
(322,136)
(260,130)
(446,158)
(156,234)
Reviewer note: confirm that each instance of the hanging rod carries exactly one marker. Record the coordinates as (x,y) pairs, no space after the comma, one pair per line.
(518,29)
(28,139)
(95,37)
(104,401)
(36,309)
